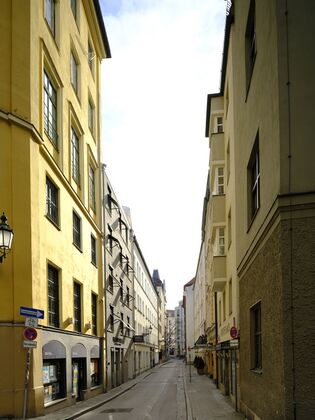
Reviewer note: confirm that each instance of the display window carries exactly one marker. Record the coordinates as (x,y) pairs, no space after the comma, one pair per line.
(53,380)
(95,372)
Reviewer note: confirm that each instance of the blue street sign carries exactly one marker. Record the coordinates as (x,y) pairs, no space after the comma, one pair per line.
(32,312)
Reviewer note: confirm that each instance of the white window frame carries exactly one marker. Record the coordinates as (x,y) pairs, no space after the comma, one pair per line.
(219,245)
(219,180)
(219,124)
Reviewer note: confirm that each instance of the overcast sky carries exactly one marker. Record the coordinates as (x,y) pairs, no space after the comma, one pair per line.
(166,58)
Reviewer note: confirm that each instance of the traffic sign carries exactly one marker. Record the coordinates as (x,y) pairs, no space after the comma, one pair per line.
(27,344)
(30,333)
(31,322)
(32,312)
(233,332)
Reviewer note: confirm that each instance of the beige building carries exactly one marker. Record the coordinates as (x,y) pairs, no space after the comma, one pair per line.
(161,291)
(50,191)
(267,89)
(146,341)
(119,294)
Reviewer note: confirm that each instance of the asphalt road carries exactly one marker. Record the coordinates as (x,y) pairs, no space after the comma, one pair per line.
(160,395)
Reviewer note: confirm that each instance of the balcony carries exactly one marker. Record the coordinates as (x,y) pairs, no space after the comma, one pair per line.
(217,147)
(217,212)
(218,273)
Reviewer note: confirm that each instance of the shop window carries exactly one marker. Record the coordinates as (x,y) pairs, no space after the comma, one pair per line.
(54,380)
(95,372)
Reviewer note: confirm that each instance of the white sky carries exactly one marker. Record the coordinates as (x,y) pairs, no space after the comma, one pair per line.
(166,58)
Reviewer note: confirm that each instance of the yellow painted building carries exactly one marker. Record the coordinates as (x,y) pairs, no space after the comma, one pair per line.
(50,192)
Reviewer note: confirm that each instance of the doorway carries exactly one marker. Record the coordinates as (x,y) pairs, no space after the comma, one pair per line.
(78,378)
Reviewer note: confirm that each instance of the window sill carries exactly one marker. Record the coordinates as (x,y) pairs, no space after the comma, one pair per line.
(52,222)
(256,371)
(77,247)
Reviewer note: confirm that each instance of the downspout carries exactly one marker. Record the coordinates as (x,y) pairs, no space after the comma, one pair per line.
(216,339)
(290,218)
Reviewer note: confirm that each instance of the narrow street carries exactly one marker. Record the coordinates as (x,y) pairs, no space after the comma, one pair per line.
(155,397)
(167,392)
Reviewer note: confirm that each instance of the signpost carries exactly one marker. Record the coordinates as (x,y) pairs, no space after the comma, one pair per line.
(29,334)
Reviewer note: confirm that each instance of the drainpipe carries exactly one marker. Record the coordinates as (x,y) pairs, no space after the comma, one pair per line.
(216,339)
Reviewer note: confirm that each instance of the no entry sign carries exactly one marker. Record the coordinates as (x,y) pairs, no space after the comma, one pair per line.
(30,334)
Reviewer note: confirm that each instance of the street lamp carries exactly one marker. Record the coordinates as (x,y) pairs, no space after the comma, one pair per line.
(6,237)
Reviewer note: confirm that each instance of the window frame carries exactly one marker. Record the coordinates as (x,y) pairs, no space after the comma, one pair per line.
(94,313)
(219,177)
(74,8)
(53,297)
(253,181)
(219,125)
(50,108)
(93,250)
(92,187)
(75,156)
(74,72)
(50,15)
(76,230)
(50,203)
(250,44)
(77,306)
(91,117)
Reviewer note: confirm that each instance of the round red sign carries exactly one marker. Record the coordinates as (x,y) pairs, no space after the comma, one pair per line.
(233,332)
(30,333)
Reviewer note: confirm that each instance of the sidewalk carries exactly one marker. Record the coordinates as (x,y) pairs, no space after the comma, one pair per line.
(204,400)
(83,407)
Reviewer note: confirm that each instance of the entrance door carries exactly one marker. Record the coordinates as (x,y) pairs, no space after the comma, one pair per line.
(78,377)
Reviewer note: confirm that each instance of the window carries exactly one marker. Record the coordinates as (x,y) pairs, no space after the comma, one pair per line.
(128,329)
(50,110)
(256,344)
(111,318)
(219,246)
(49,10)
(219,124)
(250,43)
(127,296)
(74,72)
(91,55)
(74,8)
(77,306)
(94,313)
(76,230)
(91,116)
(122,323)
(92,188)
(53,296)
(111,279)
(219,179)
(254,181)
(109,200)
(93,249)
(75,156)
(95,372)
(110,239)
(228,162)
(54,380)
(121,291)
(52,211)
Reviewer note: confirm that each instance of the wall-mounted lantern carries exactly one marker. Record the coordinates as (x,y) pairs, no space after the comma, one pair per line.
(6,237)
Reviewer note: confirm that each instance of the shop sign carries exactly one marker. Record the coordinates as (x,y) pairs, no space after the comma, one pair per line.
(234,343)
(28,344)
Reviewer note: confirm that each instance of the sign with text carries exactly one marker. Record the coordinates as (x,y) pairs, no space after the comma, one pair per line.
(31,322)
(31,312)
(28,344)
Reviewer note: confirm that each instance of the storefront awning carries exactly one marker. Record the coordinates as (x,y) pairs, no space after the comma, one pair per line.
(54,350)
(78,351)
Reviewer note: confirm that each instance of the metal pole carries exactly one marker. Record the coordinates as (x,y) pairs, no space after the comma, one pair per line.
(27,378)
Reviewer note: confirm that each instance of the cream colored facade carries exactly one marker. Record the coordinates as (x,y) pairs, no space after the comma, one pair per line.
(51,202)
(146,314)
(268,90)
(161,291)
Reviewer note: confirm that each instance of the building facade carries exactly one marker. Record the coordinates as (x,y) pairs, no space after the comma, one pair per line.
(180,347)
(50,192)
(267,89)
(119,293)
(161,290)
(188,304)
(146,342)
(170,332)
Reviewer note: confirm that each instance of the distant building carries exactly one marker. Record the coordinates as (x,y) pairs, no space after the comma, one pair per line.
(170,332)
(188,304)
(160,288)
(180,347)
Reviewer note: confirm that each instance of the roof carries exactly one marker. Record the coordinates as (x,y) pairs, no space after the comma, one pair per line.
(102,27)
(190,283)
